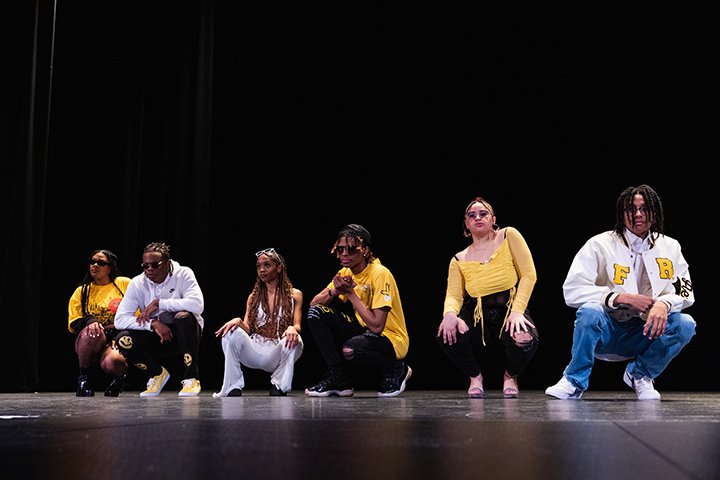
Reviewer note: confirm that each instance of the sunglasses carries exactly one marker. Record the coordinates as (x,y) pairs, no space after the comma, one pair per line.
(346,248)
(267,251)
(154,265)
(474,215)
(99,263)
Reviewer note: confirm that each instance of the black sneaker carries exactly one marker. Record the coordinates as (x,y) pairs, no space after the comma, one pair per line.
(394,380)
(331,386)
(276,392)
(84,389)
(235,392)
(115,386)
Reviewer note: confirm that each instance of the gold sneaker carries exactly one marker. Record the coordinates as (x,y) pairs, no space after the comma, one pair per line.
(156,384)
(191,388)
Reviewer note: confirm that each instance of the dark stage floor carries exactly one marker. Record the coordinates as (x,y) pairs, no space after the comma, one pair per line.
(419,435)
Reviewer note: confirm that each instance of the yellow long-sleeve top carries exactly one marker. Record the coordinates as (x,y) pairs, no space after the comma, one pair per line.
(510,267)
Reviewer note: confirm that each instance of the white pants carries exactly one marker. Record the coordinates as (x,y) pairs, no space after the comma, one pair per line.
(258,352)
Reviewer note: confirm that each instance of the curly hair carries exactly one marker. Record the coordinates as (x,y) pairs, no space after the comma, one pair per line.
(279,316)
(625,208)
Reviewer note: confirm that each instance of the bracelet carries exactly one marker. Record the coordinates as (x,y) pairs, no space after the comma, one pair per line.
(330,292)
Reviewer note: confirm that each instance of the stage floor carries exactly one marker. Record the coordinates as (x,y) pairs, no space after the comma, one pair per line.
(418,435)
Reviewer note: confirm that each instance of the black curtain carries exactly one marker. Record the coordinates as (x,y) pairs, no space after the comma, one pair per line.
(27,50)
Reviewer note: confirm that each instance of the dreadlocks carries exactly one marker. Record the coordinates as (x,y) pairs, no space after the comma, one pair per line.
(625,207)
(280,316)
(162,249)
(357,237)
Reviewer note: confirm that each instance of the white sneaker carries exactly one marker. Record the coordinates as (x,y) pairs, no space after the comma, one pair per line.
(564,390)
(643,387)
(156,384)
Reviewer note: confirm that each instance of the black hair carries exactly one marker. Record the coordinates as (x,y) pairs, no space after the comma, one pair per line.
(357,236)
(87,279)
(162,249)
(625,207)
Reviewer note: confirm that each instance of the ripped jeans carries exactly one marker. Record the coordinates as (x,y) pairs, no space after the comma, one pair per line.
(462,353)
(342,341)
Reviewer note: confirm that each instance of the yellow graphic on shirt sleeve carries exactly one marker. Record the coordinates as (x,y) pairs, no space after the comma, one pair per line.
(385,292)
(621,273)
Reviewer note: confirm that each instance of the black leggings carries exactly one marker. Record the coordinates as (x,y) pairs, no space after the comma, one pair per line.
(334,330)
(493,308)
(142,348)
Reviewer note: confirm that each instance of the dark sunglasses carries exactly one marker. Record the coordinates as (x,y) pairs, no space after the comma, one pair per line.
(154,265)
(343,248)
(99,263)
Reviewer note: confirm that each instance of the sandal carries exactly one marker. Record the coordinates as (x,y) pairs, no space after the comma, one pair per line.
(510,386)
(476,392)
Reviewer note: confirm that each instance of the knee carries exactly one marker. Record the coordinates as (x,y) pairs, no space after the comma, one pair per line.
(113,364)
(684,325)
(523,339)
(183,318)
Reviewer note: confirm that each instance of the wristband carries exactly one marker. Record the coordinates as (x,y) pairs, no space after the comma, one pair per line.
(330,292)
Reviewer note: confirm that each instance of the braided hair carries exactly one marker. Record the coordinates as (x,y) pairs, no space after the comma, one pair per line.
(625,207)
(357,237)
(280,316)
(87,280)
(162,249)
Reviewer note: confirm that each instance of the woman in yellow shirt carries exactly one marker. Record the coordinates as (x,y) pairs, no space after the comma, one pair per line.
(91,314)
(488,289)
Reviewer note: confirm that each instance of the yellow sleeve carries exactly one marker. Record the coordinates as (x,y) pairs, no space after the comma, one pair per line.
(455,288)
(525,267)
(74,307)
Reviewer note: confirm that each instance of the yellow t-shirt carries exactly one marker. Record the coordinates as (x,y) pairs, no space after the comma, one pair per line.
(376,288)
(102,301)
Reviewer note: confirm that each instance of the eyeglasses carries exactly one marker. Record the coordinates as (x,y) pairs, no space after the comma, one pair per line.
(99,263)
(154,265)
(267,251)
(346,248)
(474,215)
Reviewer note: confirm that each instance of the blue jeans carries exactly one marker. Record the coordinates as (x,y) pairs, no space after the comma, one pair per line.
(597,333)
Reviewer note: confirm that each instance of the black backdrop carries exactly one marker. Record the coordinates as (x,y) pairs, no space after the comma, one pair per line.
(222,128)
